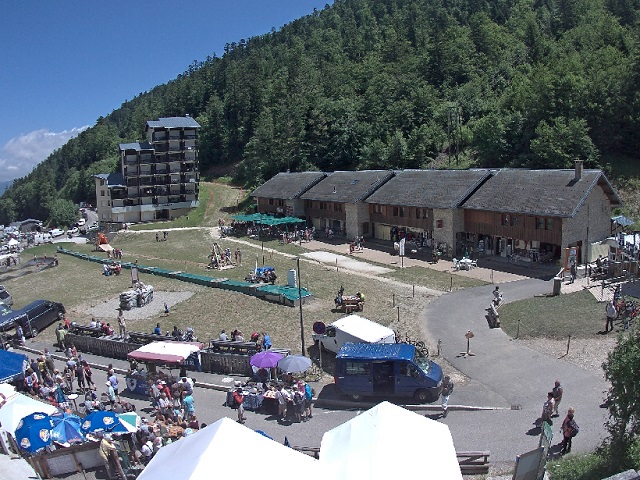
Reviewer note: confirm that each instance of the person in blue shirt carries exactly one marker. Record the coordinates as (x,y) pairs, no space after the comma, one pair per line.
(157,330)
(266,341)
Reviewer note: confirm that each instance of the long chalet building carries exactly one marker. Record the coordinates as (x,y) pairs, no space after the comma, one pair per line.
(492,212)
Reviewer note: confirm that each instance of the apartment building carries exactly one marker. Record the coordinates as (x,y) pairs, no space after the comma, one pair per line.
(159,177)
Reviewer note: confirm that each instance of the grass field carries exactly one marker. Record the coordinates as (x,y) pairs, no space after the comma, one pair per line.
(577,314)
(79,285)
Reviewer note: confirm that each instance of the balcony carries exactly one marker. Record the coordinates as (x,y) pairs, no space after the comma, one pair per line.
(146,158)
(159,137)
(130,160)
(162,148)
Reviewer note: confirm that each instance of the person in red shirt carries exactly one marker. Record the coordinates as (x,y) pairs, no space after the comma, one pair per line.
(238,398)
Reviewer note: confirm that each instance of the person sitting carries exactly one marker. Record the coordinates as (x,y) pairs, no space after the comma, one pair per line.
(176,333)
(157,330)
(107,329)
(93,323)
(223,336)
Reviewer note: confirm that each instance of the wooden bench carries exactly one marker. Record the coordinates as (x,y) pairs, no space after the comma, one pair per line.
(473,463)
(351,303)
(145,338)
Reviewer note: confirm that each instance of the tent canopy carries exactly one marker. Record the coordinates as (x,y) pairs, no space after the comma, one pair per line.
(12,365)
(19,406)
(261,218)
(366,446)
(166,352)
(217,450)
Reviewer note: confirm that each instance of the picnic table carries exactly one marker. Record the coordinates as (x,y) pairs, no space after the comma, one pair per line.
(350,303)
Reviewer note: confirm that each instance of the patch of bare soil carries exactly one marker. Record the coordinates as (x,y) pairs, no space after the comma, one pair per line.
(587,353)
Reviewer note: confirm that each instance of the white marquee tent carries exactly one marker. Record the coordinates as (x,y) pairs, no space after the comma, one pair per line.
(388,439)
(16,406)
(226,449)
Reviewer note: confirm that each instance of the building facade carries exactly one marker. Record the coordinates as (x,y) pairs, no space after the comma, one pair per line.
(159,178)
(533,214)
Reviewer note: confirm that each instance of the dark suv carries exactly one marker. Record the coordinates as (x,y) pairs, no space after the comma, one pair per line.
(34,318)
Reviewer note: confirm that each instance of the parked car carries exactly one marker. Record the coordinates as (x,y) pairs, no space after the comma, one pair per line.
(40,238)
(81,222)
(73,231)
(34,318)
(94,227)
(56,232)
(5,297)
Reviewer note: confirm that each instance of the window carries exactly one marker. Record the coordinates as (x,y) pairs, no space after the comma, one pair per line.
(102,193)
(396,211)
(544,223)
(271,201)
(514,220)
(337,207)
(308,204)
(505,219)
(323,205)
(357,368)
(376,208)
(401,211)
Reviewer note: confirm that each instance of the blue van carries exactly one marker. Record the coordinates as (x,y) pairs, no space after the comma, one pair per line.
(387,370)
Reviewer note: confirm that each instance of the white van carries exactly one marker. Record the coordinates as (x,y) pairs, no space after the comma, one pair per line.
(41,238)
(353,329)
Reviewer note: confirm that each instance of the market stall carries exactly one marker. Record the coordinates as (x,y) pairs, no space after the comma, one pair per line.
(146,360)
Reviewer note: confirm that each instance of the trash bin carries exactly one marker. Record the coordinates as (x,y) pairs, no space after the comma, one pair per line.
(557,285)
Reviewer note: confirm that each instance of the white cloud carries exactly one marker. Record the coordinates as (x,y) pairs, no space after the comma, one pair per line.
(20,155)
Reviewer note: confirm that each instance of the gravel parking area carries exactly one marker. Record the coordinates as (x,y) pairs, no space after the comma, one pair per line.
(109,308)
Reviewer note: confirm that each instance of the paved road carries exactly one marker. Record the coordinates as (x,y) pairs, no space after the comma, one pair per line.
(505,373)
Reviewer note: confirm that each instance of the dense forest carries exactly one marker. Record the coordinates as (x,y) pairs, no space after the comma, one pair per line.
(387,84)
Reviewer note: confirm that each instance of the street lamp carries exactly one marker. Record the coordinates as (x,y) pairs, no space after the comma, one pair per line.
(300,303)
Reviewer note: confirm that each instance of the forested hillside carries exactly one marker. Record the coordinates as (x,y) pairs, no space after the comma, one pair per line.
(388,84)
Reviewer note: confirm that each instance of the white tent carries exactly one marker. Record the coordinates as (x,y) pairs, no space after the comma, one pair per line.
(386,439)
(13,242)
(17,406)
(226,449)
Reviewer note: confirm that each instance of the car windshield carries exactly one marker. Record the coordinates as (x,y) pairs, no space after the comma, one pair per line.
(422,362)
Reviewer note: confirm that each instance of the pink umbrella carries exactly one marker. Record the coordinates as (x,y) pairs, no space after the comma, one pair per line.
(265,359)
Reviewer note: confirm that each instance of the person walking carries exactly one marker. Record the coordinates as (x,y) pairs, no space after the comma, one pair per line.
(612,313)
(447,388)
(283,398)
(557,397)
(122,324)
(547,409)
(238,399)
(569,430)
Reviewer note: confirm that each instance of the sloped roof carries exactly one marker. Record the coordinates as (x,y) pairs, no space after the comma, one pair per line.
(429,188)
(113,179)
(173,122)
(288,185)
(539,192)
(348,187)
(137,146)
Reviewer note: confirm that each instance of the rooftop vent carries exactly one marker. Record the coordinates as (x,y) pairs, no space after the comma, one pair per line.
(334,189)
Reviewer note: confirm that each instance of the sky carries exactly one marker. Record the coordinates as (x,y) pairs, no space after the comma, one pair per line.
(65,64)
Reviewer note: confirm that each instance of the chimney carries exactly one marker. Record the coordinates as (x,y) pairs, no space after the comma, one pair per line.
(579,164)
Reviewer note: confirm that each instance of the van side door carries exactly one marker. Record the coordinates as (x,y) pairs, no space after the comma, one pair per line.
(408,379)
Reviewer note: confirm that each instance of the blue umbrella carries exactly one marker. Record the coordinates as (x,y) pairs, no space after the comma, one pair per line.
(34,432)
(67,428)
(102,421)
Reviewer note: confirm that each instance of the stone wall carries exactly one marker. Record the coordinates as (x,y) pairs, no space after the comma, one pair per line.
(593,218)
(452,222)
(357,214)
